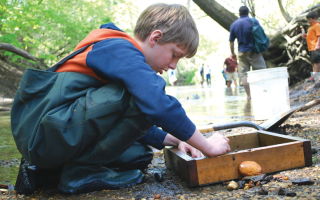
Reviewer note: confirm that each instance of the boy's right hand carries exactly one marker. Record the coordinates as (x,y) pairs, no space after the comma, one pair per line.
(215,145)
(219,145)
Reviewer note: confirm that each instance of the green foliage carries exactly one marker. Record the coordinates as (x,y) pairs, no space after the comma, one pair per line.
(187,77)
(51,28)
(206,47)
(186,70)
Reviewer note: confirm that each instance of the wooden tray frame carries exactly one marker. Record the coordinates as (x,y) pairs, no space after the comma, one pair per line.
(274,152)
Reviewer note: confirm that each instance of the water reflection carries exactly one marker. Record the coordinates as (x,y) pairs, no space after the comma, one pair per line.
(213,105)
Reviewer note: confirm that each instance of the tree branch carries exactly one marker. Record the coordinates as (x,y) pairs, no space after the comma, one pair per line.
(284,13)
(214,10)
(20,52)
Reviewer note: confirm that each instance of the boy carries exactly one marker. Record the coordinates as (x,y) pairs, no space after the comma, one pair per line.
(112,103)
(313,43)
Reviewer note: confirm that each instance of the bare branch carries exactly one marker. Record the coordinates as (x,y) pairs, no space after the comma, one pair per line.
(284,13)
(250,4)
(20,52)
(214,10)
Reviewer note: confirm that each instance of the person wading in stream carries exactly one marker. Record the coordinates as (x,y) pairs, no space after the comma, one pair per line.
(230,66)
(241,29)
(92,131)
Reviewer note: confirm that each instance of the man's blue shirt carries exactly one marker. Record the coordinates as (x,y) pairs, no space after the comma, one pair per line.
(241,30)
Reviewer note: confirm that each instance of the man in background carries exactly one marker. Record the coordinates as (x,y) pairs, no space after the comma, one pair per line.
(247,57)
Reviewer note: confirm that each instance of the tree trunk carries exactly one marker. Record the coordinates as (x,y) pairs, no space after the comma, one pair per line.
(217,12)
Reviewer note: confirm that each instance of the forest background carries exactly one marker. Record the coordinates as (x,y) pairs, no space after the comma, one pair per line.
(49,29)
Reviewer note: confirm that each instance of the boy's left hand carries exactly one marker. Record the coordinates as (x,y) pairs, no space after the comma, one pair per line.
(190,150)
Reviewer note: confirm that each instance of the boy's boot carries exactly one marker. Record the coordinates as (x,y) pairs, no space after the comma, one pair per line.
(26,180)
(123,172)
(31,178)
(81,179)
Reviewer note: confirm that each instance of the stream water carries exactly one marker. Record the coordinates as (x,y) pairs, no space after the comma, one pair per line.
(216,104)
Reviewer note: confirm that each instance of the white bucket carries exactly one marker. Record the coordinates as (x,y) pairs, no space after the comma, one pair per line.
(316,76)
(269,92)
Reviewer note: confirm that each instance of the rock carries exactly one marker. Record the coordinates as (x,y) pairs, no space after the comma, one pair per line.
(302,181)
(268,178)
(314,150)
(317,85)
(282,192)
(291,194)
(248,185)
(138,197)
(280,177)
(254,178)
(241,184)
(285,192)
(250,168)
(158,176)
(262,192)
(4,191)
(232,185)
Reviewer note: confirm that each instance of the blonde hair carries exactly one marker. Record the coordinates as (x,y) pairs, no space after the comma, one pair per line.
(174,21)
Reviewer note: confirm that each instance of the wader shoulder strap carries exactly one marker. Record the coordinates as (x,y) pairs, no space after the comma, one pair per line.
(62,61)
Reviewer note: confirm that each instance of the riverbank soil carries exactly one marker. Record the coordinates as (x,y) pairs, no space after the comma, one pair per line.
(161,183)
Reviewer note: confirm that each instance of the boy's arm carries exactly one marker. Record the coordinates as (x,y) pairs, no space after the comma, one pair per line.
(317,33)
(318,43)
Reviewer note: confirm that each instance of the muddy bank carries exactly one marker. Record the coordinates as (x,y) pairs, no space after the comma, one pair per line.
(161,183)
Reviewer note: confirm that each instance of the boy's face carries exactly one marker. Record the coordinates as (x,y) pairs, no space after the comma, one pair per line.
(162,57)
(311,21)
(165,56)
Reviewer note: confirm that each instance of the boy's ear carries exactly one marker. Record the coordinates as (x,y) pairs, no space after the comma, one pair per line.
(155,36)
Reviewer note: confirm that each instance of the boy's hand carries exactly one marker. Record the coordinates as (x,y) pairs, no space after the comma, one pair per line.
(219,145)
(188,149)
(215,145)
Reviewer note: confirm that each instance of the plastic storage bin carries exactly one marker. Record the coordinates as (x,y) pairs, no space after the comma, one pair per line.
(269,90)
